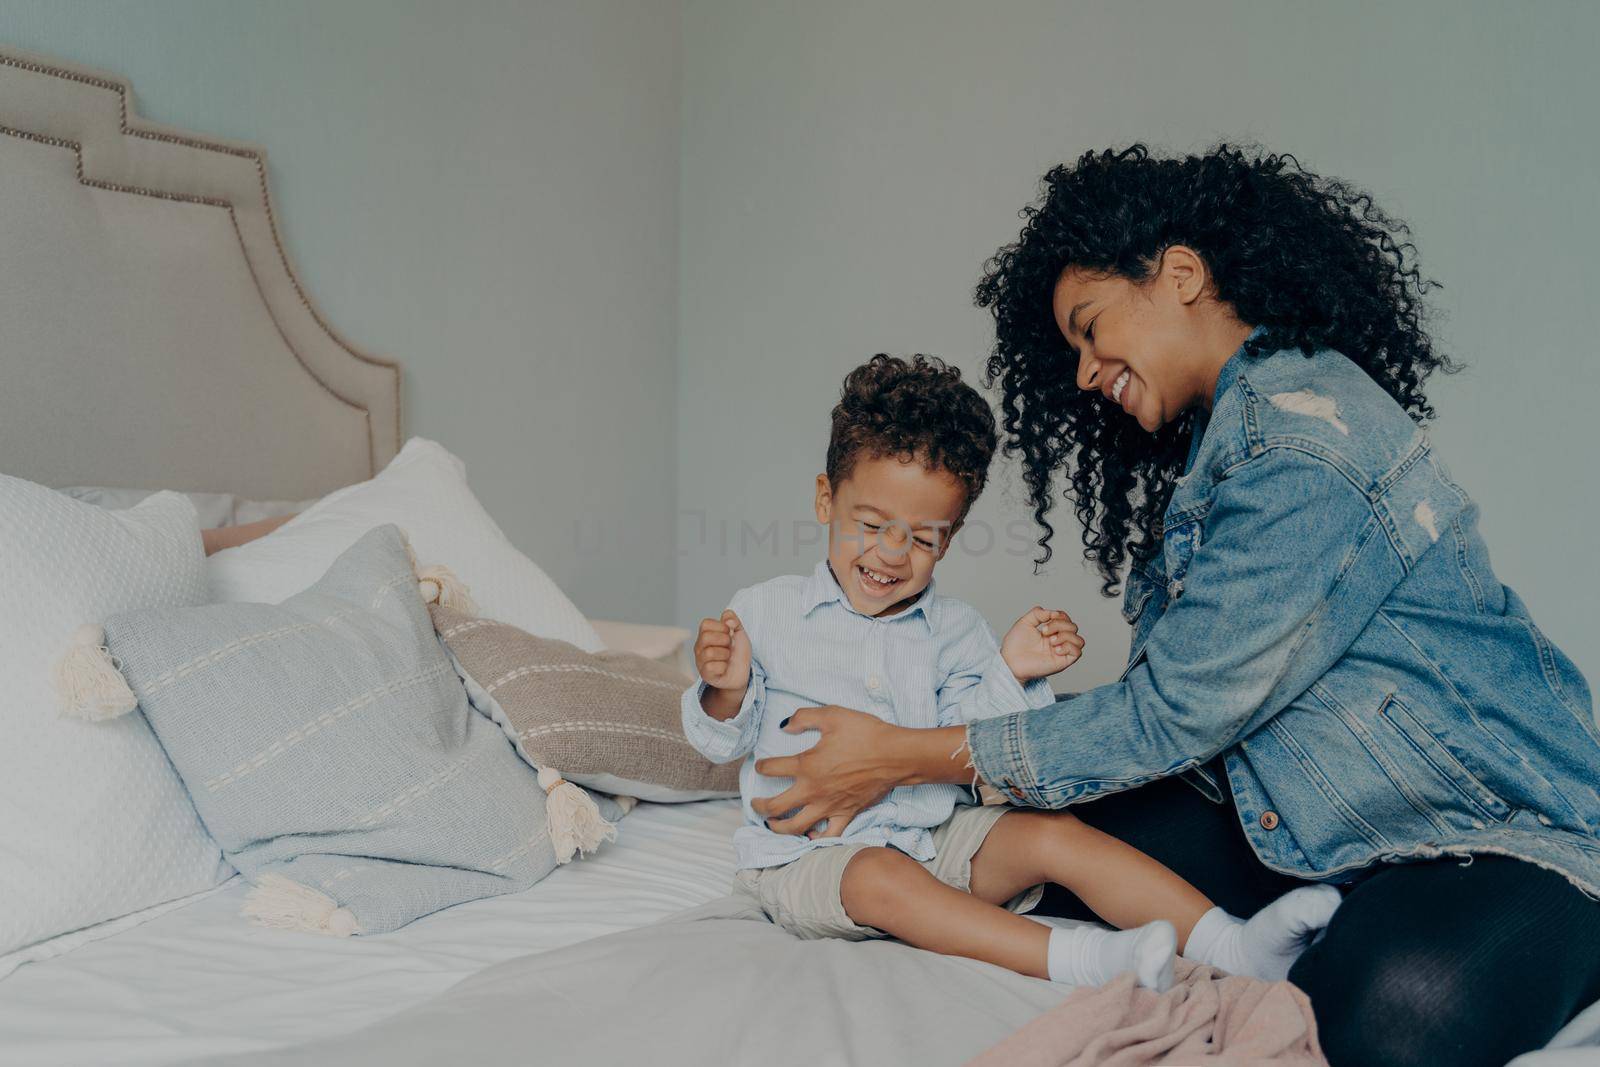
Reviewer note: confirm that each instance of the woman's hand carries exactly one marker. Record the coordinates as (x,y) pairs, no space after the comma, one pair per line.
(849,769)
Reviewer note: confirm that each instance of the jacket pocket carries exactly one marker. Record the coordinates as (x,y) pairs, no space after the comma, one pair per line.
(1142,606)
(1140,585)
(1433,752)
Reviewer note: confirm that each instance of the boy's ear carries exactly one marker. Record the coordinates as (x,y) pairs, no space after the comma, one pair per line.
(824,499)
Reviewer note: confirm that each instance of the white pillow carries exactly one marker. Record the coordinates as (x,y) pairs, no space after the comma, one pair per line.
(94,822)
(213,509)
(423,491)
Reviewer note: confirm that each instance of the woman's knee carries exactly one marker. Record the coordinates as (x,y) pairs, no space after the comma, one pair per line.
(1400,1003)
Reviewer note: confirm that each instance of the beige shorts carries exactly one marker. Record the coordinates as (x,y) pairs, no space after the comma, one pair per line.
(804,897)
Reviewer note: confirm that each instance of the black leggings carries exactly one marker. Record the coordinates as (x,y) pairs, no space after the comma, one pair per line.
(1425,963)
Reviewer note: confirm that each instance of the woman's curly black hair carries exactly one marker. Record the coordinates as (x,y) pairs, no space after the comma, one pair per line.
(1312,259)
(919,407)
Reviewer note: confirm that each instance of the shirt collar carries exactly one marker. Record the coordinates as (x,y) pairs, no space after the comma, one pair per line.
(1225,378)
(823,588)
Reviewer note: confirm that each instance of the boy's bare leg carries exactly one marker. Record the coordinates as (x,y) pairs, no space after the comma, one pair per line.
(885,888)
(1119,883)
(888,889)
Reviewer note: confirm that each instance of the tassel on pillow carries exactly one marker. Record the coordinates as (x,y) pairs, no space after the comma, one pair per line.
(438,584)
(89,684)
(576,826)
(575,823)
(285,904)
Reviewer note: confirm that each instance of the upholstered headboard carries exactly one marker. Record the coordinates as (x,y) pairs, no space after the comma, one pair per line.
(152,331)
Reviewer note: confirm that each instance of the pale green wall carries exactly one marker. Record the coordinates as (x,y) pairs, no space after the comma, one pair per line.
(504,197)
(485,191)
(848,166)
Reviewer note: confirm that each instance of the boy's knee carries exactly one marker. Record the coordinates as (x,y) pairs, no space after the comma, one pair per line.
(1042,835)
(1044,823)
(874,880)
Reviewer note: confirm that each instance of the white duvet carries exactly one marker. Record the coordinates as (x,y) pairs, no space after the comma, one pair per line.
(200,981)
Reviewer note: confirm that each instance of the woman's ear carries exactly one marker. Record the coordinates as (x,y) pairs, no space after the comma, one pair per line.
(1184,270)
(824,499)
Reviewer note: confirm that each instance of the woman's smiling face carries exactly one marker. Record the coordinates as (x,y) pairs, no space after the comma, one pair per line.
(1142,345)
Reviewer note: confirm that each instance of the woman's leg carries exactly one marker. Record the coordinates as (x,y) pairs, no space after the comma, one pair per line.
(1200,841)
(1439,963)
(1424,963)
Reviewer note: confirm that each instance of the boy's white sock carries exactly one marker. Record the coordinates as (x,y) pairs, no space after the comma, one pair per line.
(1088,955)
(1266,946)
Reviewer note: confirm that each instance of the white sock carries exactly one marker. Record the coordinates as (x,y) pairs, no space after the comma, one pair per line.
(1088,955)
(1266,946)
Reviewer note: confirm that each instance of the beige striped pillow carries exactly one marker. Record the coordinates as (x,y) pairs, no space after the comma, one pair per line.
(608,721)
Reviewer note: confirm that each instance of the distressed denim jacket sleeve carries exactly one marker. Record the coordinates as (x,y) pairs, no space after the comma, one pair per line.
(1293,564)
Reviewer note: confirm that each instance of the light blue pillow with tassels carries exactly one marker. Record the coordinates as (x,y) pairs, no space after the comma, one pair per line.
(330,749)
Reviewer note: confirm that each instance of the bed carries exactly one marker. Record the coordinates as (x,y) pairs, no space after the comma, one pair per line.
(199,983)
(158,337)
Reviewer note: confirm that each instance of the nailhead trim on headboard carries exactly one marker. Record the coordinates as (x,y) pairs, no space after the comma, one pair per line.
(266,199)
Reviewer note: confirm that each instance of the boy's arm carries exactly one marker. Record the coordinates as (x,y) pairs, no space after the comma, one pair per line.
(722,704)
(725,740)
(723,724)
(980,684)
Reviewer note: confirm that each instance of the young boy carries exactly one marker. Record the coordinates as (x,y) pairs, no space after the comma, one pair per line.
(909,453)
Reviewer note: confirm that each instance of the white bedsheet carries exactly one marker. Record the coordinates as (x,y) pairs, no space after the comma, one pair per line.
(200,981)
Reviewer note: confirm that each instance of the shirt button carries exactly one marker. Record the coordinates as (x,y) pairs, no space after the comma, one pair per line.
(1269,820)
(873,682)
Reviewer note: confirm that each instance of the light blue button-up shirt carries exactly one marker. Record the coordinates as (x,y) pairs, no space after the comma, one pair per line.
(934,663)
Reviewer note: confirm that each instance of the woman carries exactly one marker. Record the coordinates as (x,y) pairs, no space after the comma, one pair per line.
(1223,358)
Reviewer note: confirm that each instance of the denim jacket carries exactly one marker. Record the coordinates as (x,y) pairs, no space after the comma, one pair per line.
(1323,615)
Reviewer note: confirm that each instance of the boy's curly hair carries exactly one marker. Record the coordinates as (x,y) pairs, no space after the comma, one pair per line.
(919,408)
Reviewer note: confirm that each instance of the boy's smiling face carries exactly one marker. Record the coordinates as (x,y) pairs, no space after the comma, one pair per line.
(889,521)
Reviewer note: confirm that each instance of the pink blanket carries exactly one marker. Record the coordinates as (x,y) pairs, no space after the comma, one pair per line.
(1207,1017)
